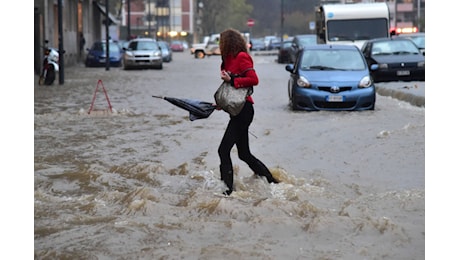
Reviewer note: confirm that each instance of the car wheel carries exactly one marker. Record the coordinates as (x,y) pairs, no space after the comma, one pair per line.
(294,107)
(50,76)
(372,107)
(123,65)
(199,55)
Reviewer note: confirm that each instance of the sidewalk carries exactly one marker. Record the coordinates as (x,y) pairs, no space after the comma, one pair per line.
(412,92)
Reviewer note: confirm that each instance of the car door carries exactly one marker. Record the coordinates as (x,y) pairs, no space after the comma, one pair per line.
(366,50)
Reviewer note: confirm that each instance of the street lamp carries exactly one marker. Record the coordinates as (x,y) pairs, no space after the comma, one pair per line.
(129,21)
(149,18)
(199,21)
(282,21)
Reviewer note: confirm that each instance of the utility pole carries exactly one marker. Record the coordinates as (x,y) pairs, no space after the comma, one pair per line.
(149,19)
(129,21)
(418,15)
(107,51)
(61,44)
(282,21)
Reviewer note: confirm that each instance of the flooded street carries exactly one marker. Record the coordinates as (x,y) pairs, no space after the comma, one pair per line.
(142,181)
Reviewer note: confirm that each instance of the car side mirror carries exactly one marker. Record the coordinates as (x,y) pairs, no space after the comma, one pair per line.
(289,68)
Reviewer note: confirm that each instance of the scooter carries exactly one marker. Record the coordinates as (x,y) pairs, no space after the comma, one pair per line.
(50,67)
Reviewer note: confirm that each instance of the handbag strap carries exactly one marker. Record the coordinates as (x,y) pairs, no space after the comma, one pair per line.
(250,89)
(242,73)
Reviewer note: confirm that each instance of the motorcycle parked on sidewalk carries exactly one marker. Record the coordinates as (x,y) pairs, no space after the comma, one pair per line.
(50,67)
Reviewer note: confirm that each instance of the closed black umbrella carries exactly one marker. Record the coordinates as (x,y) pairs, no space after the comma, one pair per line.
(198,109)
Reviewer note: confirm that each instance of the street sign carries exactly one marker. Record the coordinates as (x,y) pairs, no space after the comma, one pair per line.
(250,22)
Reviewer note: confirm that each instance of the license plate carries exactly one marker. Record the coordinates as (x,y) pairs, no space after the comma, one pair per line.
(334,98)
(101,60)
(402,72)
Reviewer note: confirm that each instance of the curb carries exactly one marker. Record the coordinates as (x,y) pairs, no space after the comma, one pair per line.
(401,95)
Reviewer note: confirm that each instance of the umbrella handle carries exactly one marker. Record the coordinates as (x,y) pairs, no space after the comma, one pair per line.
(158,96)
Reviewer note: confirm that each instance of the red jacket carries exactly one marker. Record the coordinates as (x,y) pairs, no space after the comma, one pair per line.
(236,65)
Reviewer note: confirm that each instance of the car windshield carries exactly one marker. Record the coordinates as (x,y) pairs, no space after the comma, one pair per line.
(394,47)
(143,45)
(332,59)
(287,44)
(163,45)
(361,29)
(418,40)
(257,41)
(304,41)
(100,46)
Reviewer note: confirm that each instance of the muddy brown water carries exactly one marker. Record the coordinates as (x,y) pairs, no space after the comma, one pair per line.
(142,181)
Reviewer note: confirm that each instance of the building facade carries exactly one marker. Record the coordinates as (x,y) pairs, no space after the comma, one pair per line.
(159,19)
(62,24)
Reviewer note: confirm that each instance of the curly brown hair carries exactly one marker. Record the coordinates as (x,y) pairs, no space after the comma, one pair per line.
(231,42)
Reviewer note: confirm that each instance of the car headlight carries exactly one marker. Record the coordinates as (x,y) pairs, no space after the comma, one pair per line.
(383,66)
(157,53)
(421,64)
(128,54)
(303,82)
(365,82)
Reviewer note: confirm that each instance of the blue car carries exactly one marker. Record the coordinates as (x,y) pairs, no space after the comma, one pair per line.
(330,77)
(97,53)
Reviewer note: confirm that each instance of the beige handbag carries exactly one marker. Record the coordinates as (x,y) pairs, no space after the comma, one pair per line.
(232,99)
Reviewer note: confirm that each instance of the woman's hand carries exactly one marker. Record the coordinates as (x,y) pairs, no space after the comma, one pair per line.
(217,107)
(225,76)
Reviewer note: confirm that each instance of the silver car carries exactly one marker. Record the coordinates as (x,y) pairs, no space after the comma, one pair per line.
(142,53)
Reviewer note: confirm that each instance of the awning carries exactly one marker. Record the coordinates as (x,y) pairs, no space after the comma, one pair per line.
(102,9)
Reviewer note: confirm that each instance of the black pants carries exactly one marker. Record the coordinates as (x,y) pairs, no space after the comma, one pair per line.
(237,132)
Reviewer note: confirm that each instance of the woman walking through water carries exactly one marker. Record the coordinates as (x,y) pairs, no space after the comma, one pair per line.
(236,60)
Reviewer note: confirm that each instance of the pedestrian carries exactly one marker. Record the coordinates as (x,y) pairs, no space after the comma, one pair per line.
(82,44)
(235,60)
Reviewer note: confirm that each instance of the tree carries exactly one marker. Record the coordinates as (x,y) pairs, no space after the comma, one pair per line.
(267,15)
(220,15)
(298,23)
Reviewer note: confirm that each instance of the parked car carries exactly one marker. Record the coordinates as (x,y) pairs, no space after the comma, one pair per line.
(298,42)
(283,52)
(274,44)
(166,51)
(177,46)
(123,44)
(97,54)
(395,59)
(257,44)
(142,53)
(330,77)
(417,38)
(267,40)
(185,44)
